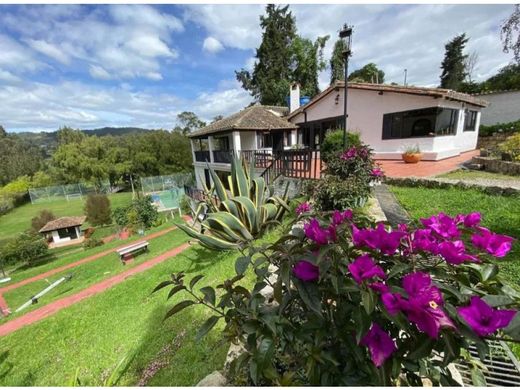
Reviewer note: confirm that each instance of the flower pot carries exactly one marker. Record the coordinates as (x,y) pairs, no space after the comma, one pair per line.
(124,234)
(411,158)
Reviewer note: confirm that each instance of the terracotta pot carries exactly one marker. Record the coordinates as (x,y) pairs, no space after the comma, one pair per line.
(411,158)
(124,234)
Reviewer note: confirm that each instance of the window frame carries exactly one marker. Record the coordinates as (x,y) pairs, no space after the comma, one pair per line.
(472,115)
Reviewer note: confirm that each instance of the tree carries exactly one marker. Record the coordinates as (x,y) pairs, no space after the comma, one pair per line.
(507,78)
(307,63)
(3,133)
(97,209)
(25,248)
(469,66)
(453,65)
(67,135)
(337,61)
(140,214)
(41,220)
(217,118)
(189,122)
(511,26)
(368,74)
(18,158)
(269,83)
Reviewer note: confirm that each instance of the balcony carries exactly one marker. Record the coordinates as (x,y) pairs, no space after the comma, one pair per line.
(222,156)
(202,155)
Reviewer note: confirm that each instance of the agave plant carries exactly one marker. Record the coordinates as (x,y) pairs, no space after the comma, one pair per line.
(235,217)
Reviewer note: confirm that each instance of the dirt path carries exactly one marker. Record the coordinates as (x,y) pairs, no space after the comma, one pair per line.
(54,307)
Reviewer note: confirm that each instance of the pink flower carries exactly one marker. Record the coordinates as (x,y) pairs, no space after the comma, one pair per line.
(349,153)
(339,217)
(453,252)
(392,302)
(443,225)
(483,319)
(364,268)
(378,238)
(377,172)
(497,245)
(306,271)
(379,343)
(379,287)
(472,219)
(424,240)
(319,235)
(303,207)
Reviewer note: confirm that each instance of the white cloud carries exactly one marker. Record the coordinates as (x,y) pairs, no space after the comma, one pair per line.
(49,50)
(98,72)
(17,58)
(212,45)
(8,77)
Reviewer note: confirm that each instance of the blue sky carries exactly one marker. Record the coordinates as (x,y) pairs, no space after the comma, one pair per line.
(140,65)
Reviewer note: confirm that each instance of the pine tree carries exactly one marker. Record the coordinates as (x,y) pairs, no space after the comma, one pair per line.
(307,63)
(337,62)
(453,66)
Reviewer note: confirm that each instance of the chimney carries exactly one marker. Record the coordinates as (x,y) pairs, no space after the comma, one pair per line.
(294,98)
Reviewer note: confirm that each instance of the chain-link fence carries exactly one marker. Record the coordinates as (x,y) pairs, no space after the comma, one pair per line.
(66,192)
(167,191)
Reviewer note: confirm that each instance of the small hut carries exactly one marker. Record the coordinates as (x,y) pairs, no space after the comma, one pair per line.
(64,231)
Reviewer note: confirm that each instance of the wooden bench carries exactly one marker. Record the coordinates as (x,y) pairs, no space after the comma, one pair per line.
(130,249)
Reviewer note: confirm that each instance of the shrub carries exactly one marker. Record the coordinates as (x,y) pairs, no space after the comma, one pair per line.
(345,302)
(333,143)
(510,127)
(41,220)
(25,248)
(92,243)
(140,214)
(512,146)
(185,205)
(97,209)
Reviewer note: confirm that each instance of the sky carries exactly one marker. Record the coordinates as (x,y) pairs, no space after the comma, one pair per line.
(140,65)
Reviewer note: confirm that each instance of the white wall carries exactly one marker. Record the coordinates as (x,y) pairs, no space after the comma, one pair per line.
(56,238)
(248,140)
(366,109)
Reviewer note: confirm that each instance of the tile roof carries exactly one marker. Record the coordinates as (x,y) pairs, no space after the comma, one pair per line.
(256,117)
(62,223)
(421,91)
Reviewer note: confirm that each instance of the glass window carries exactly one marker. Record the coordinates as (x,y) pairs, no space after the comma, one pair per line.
(221,143)
(470,120)
(264,139)
(425,122)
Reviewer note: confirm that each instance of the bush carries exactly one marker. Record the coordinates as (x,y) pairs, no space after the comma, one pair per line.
(345,302)
(185,205)
(97,209)
(92,243)
(511,146)
(26,248)
(333,143)
(41,220)
(140,214)
(510,127)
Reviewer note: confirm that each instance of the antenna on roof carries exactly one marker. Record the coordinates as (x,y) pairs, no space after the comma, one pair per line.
(405,74)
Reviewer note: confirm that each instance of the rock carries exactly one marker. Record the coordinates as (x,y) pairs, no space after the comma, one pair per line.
(215,379)
(234,351)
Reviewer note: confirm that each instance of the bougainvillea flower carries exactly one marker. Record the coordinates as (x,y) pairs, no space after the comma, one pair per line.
(483,319)
(339,217)
(443,225)
(379,344)
(364,268)
(472,219)
(319,235)
(377,172)
(454,252)
(378,238)
(380,287)
(420,284)
(306,271)
(392,302)
(424,240)
(303,207)
(349,153)
(497,245)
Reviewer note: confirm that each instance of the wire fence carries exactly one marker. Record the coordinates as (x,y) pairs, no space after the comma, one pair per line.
(167,182)
(66,192)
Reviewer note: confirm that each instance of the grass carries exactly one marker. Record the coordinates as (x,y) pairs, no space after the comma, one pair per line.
(87,274)
(500,214)
(125,321)
(19,219)
(463,174)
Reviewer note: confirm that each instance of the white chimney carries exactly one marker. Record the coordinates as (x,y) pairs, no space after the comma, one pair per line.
(294,98)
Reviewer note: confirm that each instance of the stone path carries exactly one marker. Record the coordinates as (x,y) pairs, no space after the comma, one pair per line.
(395,213)
(54,307)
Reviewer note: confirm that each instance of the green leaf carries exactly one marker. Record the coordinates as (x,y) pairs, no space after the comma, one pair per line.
(206,327)
(477,377)
(513,329)
(178,307)
(423,349)
(194,281)
(162,285)
(497,300)
(309,294)
(397,269)
(367,298)
(488,271)
(175,290)
(264,352)
(209,295)
(241,264)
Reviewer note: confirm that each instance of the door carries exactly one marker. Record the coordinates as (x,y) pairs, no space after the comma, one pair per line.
(277,140)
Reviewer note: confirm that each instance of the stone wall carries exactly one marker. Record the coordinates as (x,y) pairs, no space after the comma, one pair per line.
(492,141)
(498,166)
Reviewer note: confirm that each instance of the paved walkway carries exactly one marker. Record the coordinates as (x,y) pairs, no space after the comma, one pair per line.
(54,307)
(398,168)
(394,212)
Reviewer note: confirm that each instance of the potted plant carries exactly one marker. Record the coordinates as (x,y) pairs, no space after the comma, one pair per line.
(412,155)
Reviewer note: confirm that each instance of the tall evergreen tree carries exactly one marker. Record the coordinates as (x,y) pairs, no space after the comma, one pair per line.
(337,61)
(271,77)
(307,63)
(454,64)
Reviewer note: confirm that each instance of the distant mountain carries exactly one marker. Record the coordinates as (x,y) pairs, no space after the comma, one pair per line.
(115,131)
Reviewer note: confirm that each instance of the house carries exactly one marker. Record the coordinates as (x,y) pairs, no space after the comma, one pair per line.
(504,107)
(443,123)
(64,231)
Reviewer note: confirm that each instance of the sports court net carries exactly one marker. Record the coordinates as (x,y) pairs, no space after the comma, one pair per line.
(66,192)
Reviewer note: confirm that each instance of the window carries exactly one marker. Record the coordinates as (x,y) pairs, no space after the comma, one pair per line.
(287,138)
(264,139)
(425,122)
(470,120)
(68,233)
(222,143)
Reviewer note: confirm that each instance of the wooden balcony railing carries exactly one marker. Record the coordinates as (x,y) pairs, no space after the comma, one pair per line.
(202,155)
(223,156)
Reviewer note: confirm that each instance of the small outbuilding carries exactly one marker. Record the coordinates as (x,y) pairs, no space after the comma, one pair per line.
(64,231)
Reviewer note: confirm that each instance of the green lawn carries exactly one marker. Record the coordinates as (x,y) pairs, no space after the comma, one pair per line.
(87,274)
(126,320)
(463,174)
(500,214)
(19,219)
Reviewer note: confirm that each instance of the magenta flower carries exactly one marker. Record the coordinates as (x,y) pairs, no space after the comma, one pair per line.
(319,235)
(306,271)
(472,219)
(424,240)
(379,343)
(378,238)
(349,153)
(424,304)
(377,172)
(303,207)
(497,245)
(392,302)
(380,287)
(443,225)
(339,217)
(364,268)
(454,252)
(483,319)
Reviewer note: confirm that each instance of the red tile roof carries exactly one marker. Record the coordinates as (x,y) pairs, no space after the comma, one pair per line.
(62,223)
